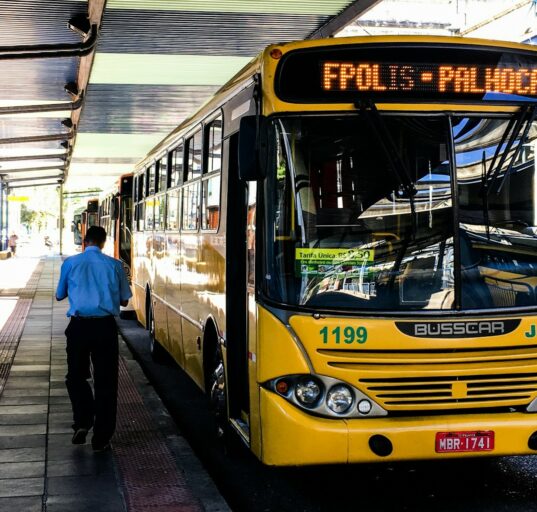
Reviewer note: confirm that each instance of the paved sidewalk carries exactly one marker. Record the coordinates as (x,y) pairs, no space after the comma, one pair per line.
(40,470)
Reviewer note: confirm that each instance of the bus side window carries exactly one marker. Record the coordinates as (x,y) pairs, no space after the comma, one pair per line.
(163,173)
(172,211)
(159,212)
(211,203)
(141,216)
(250,230)
(210,214)
(149,204)
(191,194)
(193,169)
(175,167)
(214,145)
(150,180)
(141,186)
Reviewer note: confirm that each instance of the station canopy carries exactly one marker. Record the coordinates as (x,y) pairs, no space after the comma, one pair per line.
(82,105)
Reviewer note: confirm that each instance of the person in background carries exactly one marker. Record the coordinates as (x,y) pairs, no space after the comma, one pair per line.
(48,242)
(96,286)
(12,243)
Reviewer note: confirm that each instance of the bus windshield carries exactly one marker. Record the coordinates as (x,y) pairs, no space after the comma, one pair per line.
(345,230)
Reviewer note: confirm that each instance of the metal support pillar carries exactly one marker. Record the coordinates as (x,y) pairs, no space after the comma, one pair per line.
(2,185)
(6,214)
(61,219)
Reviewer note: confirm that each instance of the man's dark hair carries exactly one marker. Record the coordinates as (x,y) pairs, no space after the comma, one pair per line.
(96,235)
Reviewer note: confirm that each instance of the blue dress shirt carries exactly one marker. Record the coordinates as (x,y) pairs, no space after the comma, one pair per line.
(95,284)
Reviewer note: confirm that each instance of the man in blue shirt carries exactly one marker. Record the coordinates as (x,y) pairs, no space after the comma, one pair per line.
(96,286)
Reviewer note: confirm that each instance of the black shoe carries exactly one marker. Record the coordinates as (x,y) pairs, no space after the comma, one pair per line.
(79,437)
(100,447)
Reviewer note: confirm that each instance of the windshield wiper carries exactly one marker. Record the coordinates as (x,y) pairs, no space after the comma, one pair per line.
(525,117)
(485,194)
(369,111)
(531,117)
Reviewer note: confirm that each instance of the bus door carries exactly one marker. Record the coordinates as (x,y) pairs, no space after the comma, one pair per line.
(240,296)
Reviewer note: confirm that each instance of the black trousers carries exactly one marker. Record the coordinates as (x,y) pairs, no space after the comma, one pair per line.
(95,340)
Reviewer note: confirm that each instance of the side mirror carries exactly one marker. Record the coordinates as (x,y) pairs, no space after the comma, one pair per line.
(253,148)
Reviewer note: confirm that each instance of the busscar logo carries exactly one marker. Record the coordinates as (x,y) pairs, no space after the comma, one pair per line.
(459,329)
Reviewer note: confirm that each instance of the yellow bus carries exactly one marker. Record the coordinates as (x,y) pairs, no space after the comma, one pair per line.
(115,216)
(340,248)
(89,217)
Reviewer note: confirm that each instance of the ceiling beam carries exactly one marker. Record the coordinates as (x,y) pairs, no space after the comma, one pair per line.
(38,138)
(341,20)
(32,169)
(60,156)
(59,176)
(49,107)
(95,14)
(34,185)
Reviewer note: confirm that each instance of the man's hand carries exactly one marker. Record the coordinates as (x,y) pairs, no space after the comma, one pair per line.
(124,302)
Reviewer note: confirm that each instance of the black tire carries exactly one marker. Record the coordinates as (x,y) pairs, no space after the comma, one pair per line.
(218,393)
(218,398)
(157,351)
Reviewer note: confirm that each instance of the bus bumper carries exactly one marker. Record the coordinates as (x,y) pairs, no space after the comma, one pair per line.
(291,437)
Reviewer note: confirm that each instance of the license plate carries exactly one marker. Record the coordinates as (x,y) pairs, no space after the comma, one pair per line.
(477,441)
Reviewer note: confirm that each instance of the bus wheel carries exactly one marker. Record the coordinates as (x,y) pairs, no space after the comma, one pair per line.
(217,386)
(158,354)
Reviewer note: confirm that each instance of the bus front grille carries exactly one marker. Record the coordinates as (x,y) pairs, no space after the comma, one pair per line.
(441,380)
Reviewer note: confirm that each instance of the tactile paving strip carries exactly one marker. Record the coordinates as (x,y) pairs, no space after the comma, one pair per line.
(150,477)
(12,329)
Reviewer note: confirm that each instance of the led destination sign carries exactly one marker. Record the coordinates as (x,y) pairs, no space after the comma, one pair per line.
(415,73)
(441,78)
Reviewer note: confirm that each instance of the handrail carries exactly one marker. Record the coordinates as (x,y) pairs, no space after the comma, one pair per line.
(51,50)
(47,107)
(55,182)
(59,176)
(38,138)
(61,167)
(60,156)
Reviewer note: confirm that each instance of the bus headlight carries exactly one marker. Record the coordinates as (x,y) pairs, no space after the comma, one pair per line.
(339,399)
(307,391)
(325,396)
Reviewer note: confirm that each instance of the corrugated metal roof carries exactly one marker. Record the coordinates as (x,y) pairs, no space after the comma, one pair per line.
(25,22)
(10,127)
(35,79)
(201,33)
(36,23)
(156,62)
(130,108)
